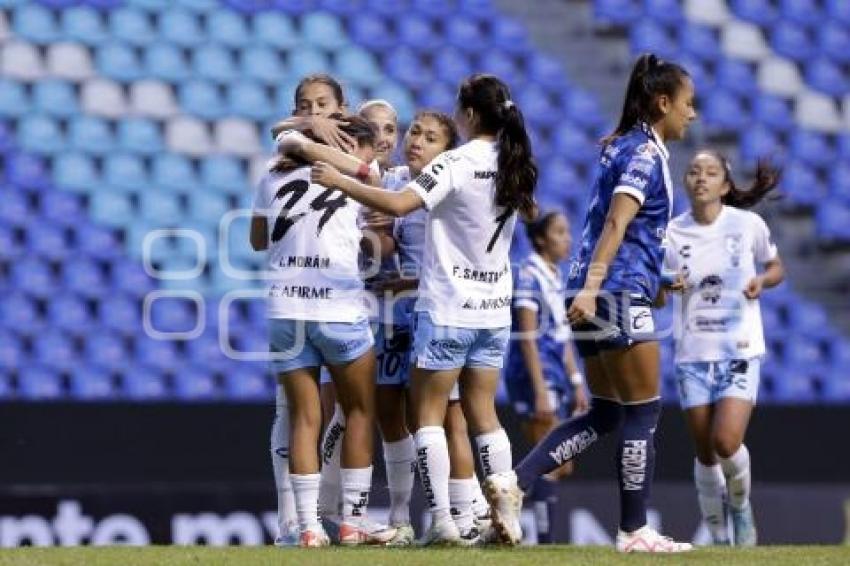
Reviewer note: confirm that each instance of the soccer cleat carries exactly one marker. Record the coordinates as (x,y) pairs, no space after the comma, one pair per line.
(404,536)
(505,499)
(313,537)
(472,537)
(483,518)
(442,533)
(365,532)
(647,539)
(743,525)
(288,536)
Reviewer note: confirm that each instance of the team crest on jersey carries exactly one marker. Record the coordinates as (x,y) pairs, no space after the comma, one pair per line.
(733,248)
(646,149)
(711,288)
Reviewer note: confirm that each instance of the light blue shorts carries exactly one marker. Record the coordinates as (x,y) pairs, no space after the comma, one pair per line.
(705,383)
(296,344)
(449,347)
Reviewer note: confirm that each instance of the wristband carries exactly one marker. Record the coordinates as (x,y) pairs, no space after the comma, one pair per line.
(576,379)
(363,172)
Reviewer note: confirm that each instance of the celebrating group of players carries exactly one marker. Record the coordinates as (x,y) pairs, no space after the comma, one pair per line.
(392,301)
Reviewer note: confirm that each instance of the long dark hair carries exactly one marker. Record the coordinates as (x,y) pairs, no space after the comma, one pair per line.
(516,178)
(651,77)
(447,123)
(322,78)
(767,179)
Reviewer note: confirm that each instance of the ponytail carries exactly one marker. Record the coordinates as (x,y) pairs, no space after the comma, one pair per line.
(496,113)
(767,179)
(651,77)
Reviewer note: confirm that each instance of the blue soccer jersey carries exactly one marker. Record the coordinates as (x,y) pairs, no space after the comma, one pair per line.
(634,164)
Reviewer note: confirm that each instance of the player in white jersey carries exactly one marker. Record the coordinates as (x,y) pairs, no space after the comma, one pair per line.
(718,249)
(316,98)
(318,316)
(462,320)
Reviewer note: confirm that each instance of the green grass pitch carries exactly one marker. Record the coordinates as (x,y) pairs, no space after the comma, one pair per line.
(548,556)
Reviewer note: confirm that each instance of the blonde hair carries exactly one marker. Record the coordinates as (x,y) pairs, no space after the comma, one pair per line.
(376,103)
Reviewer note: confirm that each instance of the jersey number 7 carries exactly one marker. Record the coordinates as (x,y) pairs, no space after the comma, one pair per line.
(500,225)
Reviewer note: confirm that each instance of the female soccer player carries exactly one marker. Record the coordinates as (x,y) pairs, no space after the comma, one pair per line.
(615,279)
(462,320)
(318,317)
(543,381)
(718,248)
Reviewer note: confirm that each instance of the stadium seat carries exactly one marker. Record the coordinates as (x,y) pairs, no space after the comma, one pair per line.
(736,76)
(118,61)
(509,35)
(357,66)
(180,27)
(83,24)
(172,315)
(306,60)
(33,275)
(85,277)
(55,349)
(87,383)
(125,173)
(581,107)
(250,100)
(188,135)
(205,206)
(237,137)
(35,23)
(700,41)
(834,41)
(111,209)
(414,32)
(833,221)
(405,66)
(227,28)
(371,31)
(744,41)
(195,384)
(712,13)
(811,147)
(90,135)
(649,36)
(773,111)
(132,26)
(247,382)
(174,172)
(21,61)
(152,98)
(128,276)
(617,12)
(262,64)
(275,30)
(758,142)
(166,62)
(214,63)
(573,144)
(779,76)
(11,247)
(223,173)
(537,107)
(26,170)
(761,12)
(827,77)
(547,72)
(801,185)
(101,97)
(139,135)
(48,242)
(723,109)
(20,312)
(69,61)
(802,12)
(323,30)
(13,99)
(75,171)
(203,99)
(839,181)
(838,10)
(62,209)
(464,33)
(140,383)
(15,208)
(503,66)
(160,207)
(666,11)
(40,134)
(107,350)
(792,41)
(120,313)
(38,383)
(12,353)
(451,65)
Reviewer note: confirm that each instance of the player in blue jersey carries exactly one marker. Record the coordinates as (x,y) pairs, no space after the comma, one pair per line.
(543,381)
(613,281)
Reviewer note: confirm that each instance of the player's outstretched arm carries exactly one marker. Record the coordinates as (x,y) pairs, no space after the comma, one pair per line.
(297,144)
(396,203)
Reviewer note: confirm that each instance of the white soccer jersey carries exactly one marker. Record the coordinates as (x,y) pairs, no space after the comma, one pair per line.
(715,321)
(313,249)
(466,273)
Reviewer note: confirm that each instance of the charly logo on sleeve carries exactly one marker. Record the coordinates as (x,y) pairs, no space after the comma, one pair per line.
(733,247)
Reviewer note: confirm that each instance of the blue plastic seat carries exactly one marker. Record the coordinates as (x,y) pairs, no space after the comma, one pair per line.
(761,12)
(26,170)
(451,65)
(559,176)
(103,4)
(839,181)
(125,173)
(800,185)
(700,41)
(228,28)
(18,311)
(371,31)
(107,350)
(581,107)
(223,173)
(650,36)
(617,12)
(758,142)
(159,354)
(35,23)
(356,66)
(306,60)
(464,33)
(275,29)
(833,221)
(792,41)
(120,313)
(87,383)
(323,30)
(202,99)
(84,276)
(736,76)
(174,172)
(811,147)
(509,35)
(834,41)
(801,351)
(12,354)
(97,241)
(90,135)
(55,98)
(61,208)
(827,76)
(13,99)
(208,207)
(83,24)
(250,6)
(215,63)
(131,26)
(128,276)
(723,109)
(33,275)
(251,100)
(246,381)
(11,247)
(118,61)
(773,111)
(111,209)
(38,383)
(794,384)
(166,62)
(171,314)
(414,32)
(261,64)
(838,10)
(160,206)
(15,208)
(55,348)
(431,8)
(836,386)
(40,134)
(536,105)
(195,384)
(206,350)
(573,144)
(666,11)
(141,383)
(405,66)
(180,27)
(140,135)
(802,12)
(546,71)
(503,66)
(808,318)
(48,241)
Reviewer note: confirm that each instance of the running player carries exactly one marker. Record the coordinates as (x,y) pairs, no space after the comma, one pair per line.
(718,248)
(462,320)
(614,281)
(318,317)
(543,381)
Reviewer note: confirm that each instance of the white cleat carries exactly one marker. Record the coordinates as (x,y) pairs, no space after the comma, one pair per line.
(289,535)
(505,499)
(313,537)
(404,536)
(744,525)
(443,533)
(365,532)
(647,539)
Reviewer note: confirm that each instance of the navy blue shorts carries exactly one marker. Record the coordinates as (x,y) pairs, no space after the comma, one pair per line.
(622,319)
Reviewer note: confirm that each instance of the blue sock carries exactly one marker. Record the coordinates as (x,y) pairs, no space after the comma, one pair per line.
(636,462)
(568,440)
(544,496)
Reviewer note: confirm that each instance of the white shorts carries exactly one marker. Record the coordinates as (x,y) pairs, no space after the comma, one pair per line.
(705,383)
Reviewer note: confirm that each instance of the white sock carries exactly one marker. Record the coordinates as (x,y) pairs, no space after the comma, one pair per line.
(400,458)
(494,451)
(280,463)
(711,489)
(737,472)
(480,507)
(356,483)
(306,487)
(331,484)
(432,453)
(460,497)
